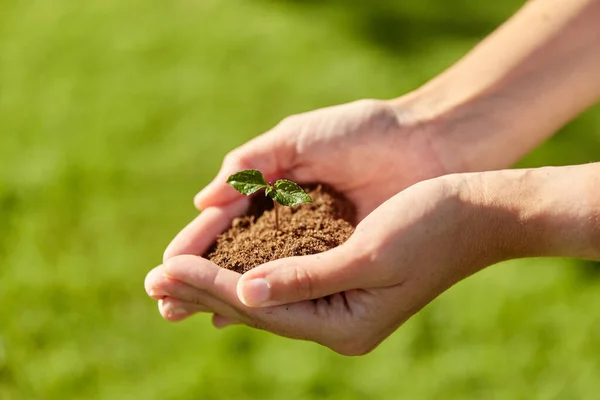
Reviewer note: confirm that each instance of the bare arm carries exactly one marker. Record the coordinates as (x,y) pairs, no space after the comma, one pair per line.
(542,212)
(516,88)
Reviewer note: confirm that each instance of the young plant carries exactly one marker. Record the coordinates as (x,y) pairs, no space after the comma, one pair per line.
(284,192)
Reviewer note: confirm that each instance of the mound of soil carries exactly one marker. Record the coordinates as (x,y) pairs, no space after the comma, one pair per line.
(305,229)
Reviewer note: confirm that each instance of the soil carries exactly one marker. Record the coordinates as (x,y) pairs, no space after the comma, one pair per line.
(305,229)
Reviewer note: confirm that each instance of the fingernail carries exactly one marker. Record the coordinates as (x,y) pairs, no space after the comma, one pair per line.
(176,312)
(254,292)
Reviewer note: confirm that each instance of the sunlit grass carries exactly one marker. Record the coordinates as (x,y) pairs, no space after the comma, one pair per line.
(112,115)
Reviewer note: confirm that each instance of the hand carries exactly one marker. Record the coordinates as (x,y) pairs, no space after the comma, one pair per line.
(368,150)
(404,254)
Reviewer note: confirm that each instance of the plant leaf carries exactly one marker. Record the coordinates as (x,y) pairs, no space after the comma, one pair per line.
(288,193)
(247,182)
(271,192)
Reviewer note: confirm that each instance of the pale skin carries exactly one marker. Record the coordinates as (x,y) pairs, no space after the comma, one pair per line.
(439,152)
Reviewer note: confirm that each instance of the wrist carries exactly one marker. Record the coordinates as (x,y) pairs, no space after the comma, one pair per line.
(515,89)
(482,231)
(544,212)
(468,131)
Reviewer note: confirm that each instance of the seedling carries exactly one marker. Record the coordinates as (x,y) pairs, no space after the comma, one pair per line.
(284,192)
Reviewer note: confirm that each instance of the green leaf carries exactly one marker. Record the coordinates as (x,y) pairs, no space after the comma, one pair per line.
(271,192)
(288,193)
(247,182)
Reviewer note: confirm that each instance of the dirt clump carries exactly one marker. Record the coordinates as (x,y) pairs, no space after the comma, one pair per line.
(305,229)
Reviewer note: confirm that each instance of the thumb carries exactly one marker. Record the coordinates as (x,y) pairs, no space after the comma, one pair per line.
(289,280)
(264,153)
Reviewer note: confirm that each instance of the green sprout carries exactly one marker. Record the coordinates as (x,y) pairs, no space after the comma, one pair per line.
(284,192)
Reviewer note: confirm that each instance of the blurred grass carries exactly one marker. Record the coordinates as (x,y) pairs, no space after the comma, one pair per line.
(112,115)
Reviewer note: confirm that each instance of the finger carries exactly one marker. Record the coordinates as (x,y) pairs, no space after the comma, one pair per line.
(221,322)
(175,310)
(294,279)
(161,286)
(269,153)
(218,285)
(199,234)
(205,277)
(186,282)
(191,295)
(154,282)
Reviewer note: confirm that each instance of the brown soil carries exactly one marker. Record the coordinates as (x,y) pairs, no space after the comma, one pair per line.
(305,229)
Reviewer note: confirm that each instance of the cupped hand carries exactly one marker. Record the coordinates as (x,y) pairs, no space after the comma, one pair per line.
(367,150)
(405,253)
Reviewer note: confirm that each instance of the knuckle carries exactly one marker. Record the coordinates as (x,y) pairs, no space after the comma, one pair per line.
(305,284)
(238,159)
(196,299)
(232,157)
(371,106)
(381,113)
(370,103)
(288,121)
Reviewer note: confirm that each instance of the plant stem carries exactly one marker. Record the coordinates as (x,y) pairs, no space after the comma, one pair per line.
(276,216)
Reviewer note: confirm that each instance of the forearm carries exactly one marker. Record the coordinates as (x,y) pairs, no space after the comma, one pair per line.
(519,86)
(544,212)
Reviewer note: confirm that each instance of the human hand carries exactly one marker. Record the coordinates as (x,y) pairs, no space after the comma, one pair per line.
(367,150)
(401,256)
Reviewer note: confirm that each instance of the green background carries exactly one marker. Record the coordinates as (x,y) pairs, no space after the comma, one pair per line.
(114,113)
